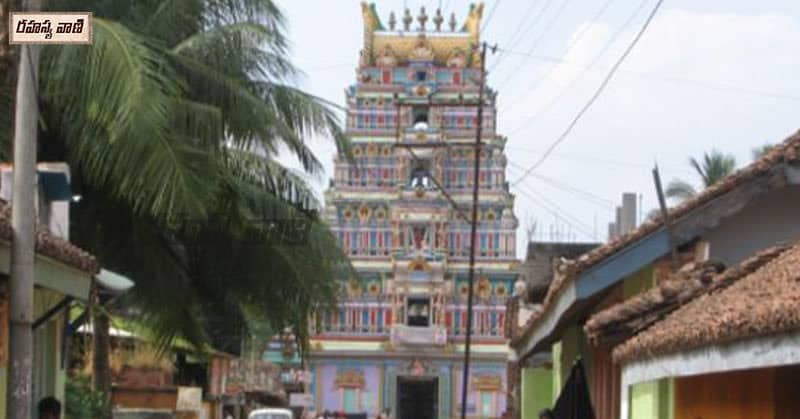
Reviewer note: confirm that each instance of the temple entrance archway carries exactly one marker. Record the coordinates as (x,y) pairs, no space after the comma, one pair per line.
(417,397)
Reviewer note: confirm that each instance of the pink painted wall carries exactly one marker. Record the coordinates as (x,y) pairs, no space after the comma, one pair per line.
(330,396)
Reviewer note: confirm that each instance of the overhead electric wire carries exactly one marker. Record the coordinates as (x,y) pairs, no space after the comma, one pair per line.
(568,188)
(515,36)
(536,42)
(605,161)
(669,79)
(597,93)
(489,18)
(575,221)
(585,69)
(580,193)
(575,40)
(557,212)
(459,211)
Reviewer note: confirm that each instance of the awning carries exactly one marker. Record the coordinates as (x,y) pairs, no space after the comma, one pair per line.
(113,282)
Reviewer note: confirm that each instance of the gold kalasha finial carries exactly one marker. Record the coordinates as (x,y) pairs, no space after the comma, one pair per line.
(392,21)
(407,19)
(422,18)
(452,22)
(438,19)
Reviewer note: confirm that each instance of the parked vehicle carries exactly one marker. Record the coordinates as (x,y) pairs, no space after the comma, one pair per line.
(271,413)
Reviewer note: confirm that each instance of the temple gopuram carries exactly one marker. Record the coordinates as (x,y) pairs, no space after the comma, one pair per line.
(396,341)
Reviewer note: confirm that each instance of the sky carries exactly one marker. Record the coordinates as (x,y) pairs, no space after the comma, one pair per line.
(711,74)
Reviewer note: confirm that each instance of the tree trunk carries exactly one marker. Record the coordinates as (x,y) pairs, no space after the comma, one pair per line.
(101,365)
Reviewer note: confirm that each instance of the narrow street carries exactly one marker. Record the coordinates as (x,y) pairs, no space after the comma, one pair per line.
(273,209)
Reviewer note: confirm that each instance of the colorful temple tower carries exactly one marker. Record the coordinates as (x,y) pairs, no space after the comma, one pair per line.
(396,341)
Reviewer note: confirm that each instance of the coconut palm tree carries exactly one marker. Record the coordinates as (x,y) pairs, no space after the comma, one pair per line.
(171,121)
(714,167)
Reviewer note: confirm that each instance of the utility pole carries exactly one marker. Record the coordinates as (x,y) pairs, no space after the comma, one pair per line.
(23,223)
(662,202)
(473,235)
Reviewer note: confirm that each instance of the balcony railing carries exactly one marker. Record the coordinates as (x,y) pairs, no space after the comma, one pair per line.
(416,336)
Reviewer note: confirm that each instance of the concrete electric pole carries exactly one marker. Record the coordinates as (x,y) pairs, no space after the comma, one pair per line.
(23,223)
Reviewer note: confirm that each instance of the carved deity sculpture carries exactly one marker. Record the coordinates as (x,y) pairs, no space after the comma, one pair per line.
(458,59)
(386,58)
(422,50)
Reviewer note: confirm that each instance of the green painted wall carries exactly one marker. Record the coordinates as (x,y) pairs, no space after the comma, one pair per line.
(666,407)
(48,376)
(573,345)
(638,282)
(537,391)
(652,400)
(557,377)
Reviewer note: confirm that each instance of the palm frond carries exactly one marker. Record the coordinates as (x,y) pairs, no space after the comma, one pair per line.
(717,166)
(306,113)
(680,190)
(251,117)
(269,176)
(160,119)
(116,101)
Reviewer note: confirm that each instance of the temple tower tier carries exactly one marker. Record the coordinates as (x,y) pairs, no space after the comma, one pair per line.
(396,338)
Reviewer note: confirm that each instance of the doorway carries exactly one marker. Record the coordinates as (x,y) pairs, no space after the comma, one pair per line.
(417,397)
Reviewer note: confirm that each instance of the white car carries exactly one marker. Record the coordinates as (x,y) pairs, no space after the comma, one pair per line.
(271,413)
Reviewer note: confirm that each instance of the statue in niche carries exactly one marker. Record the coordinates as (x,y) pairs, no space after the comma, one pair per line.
(422,50)
(457,59)
(386,58)
(420,178)
(420,241)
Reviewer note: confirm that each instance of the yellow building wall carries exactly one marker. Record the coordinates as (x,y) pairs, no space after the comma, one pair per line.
(48,376)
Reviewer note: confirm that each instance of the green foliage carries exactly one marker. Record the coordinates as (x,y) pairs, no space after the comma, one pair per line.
(680,190)
(714,167)
(171,122)
(81,401)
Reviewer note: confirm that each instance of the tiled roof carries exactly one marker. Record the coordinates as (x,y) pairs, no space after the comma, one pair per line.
(625,319)
(50,245)
(761,302)
(635,314)
(787,151)
(538,266)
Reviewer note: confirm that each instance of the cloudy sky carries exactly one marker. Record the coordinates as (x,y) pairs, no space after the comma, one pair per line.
(706,74)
